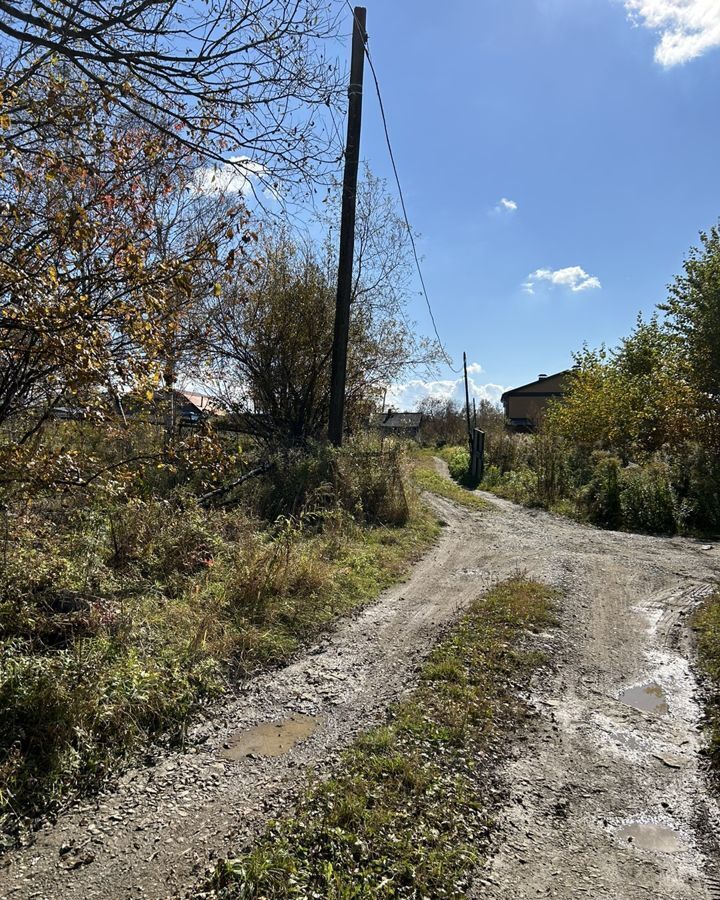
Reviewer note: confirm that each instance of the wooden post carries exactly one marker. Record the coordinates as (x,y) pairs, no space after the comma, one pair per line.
(347,230)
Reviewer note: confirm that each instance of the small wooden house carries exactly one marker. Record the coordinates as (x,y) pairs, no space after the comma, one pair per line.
(524,406)
(397,424)
(173,408)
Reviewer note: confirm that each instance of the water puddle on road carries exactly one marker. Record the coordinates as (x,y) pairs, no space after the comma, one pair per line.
(648,836)
(270,738)
(647,698)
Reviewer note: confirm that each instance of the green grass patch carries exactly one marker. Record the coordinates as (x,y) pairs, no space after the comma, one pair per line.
(707,625)
(406,814)
(427,478)
(118,621)
(458,463)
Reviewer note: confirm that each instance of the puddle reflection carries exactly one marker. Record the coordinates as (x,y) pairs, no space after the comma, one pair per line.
(270,738)
(648,836)
(647,698)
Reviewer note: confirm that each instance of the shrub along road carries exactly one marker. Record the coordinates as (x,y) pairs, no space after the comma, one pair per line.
(605,799)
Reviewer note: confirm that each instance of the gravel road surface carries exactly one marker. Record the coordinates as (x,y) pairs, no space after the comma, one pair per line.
(606,795)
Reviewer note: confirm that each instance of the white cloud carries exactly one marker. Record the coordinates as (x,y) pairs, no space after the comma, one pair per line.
(407,396)
(573,277)
(687,28)
(506,206)
(236,176)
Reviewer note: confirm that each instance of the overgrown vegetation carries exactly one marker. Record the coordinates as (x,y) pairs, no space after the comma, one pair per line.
(445,421)
(121,611)
(635,443)
(153,548)
(407,813)
(428,478)
(707,625)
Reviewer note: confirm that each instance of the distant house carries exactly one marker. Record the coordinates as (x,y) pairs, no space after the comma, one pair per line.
(67,413)
(524,406)
(193,407)
(184,409)
(397,424)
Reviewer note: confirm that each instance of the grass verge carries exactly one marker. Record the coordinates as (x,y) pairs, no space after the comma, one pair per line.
(427,478)
(406,814)
(707,626)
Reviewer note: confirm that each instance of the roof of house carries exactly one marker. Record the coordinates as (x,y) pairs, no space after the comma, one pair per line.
(538,381)
(396,419)
(204,403)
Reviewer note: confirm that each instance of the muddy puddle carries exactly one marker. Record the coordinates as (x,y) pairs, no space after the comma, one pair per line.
(647,698)
(270,738)
(651,836)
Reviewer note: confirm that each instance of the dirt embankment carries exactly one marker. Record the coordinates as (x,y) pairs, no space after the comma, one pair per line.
(606,794)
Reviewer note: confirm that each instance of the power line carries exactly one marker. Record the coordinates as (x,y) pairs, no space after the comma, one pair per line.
(402,201)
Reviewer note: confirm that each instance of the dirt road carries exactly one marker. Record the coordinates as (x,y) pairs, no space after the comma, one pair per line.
(607,796)
(606,800)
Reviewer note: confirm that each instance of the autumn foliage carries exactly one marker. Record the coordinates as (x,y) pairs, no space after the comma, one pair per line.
(634,443)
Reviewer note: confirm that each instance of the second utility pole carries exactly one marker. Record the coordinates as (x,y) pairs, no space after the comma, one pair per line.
(467,402)
(347,230)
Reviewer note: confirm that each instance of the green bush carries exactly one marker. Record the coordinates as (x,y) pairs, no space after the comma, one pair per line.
(579,462)
(633,498)
(646,501)
(458,461)
(520,486)
(507,451)
(695,484)
(492,477)
(601,496)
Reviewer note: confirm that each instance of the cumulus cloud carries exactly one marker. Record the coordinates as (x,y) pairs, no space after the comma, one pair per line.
(506,206)
(236,176)
(573,277)
(687,28)
(409,395)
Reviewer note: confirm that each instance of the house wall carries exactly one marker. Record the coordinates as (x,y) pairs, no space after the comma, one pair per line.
(531,402)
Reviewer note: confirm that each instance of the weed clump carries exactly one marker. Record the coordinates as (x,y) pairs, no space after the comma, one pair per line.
(120,615)
(366,482)
(707,625)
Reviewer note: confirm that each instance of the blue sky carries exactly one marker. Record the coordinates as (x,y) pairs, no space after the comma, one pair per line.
(597,119)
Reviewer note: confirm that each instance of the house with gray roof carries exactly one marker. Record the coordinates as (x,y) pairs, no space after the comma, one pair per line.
(397,424)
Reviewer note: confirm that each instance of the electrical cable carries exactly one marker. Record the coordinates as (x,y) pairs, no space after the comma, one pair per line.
(448,360)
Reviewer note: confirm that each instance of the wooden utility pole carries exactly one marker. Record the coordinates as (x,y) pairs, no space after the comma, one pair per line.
(347,230)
